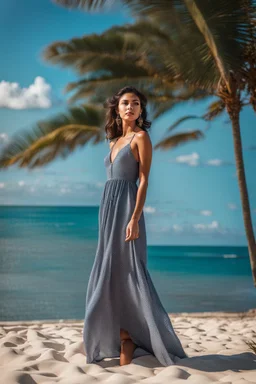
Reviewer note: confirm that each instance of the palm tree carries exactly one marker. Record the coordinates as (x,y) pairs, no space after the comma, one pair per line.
(221,34)
(201,49)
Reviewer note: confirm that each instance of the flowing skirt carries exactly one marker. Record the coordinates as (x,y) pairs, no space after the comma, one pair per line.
(120,291)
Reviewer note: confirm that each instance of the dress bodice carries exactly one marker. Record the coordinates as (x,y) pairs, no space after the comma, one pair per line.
(124,165)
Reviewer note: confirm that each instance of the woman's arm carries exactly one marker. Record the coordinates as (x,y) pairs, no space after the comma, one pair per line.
(145,158)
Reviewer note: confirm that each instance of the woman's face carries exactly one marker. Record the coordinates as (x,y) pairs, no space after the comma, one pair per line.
(129,107)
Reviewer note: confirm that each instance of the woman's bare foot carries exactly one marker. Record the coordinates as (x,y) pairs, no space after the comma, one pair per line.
(127,349)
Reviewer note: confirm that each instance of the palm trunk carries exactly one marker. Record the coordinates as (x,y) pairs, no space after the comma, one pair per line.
(234,116)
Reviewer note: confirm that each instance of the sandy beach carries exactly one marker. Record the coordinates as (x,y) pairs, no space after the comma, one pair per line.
(53,352)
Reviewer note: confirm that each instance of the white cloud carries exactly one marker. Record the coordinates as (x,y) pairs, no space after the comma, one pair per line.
(232,206)
(37,95)
(206,227)
(206,213)
(40,192)
(65,190)
(177,228)
(193,160)
(212,229)
(216,162)
(3,138)
(191,229)
(149,209)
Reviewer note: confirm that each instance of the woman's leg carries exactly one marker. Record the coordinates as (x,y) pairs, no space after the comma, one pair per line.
(124,335)
(127,347)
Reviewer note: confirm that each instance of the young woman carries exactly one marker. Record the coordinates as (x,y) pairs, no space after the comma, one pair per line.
(124,316)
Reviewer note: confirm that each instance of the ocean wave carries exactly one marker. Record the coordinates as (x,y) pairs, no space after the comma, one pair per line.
(231,256)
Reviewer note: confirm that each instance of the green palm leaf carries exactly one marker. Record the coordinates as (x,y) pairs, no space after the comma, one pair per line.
(178,139)
(215,109)
(181,120)
(58,136)
(219,30)
(83,4)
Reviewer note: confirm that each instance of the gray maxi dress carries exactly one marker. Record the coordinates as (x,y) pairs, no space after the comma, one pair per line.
(120,292)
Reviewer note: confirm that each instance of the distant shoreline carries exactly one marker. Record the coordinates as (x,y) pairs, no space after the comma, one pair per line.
(220,314)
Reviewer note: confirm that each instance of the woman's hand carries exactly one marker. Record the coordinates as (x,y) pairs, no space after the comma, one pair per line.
(132,230)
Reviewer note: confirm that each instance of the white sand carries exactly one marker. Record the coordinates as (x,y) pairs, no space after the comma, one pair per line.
(53,352)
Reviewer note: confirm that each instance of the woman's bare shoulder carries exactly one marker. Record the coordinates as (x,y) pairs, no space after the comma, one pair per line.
(141,133)
(142,136)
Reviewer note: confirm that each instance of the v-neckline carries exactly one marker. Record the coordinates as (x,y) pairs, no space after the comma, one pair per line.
(112,162)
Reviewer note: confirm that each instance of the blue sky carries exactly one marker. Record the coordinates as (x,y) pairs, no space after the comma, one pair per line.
(193,195)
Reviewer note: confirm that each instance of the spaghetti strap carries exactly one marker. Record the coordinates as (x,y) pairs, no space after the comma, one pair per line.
(132,138)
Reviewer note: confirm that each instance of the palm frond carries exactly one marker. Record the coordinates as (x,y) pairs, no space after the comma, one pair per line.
(156,90)
(212,36)
(181,120)
(142,48)
(57,136)
(98,90)
(168,100)
(215,109)
(86,5)
(178,139)
(118,51)
(218,31)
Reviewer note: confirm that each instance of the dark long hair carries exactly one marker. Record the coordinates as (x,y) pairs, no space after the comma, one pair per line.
(111,128)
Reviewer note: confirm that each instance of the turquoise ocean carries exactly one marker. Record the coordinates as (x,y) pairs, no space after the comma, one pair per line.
(47,254)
